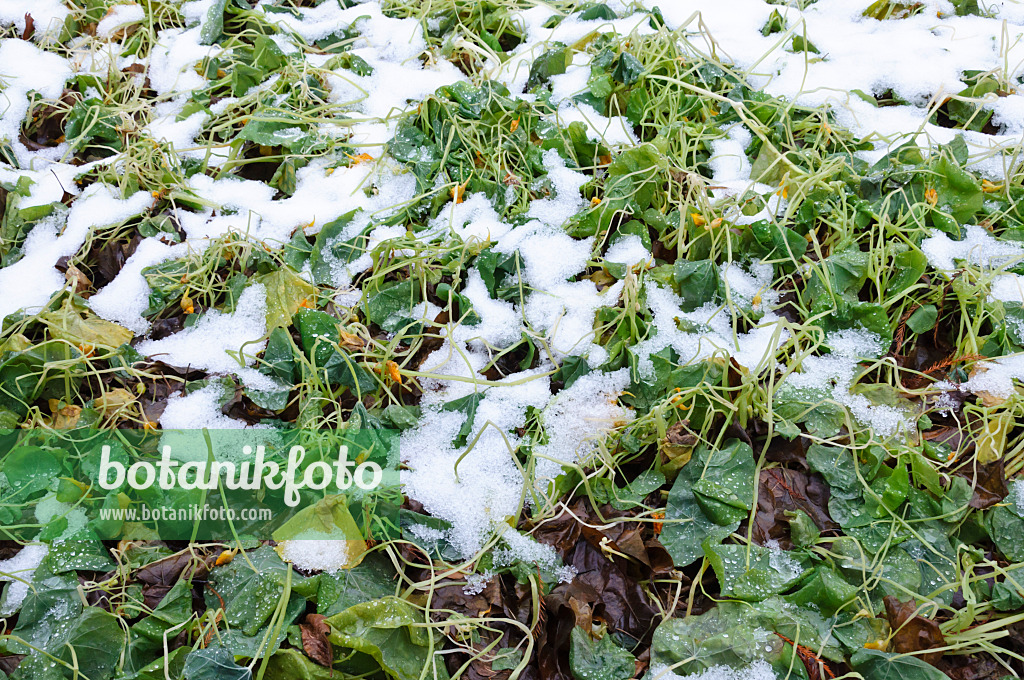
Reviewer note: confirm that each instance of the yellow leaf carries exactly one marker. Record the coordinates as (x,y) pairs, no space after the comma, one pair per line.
(83,329)
(991,441)
(115,399)
(286,292)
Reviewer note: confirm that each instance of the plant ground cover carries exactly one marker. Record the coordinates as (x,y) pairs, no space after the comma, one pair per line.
(702,332)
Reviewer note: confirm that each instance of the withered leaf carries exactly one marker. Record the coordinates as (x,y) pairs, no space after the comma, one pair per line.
(315,642)
(781,490)
(988,482)
(911,632)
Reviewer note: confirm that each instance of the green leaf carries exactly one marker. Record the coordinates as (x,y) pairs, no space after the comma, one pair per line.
(495,267)
(877,665)
(695,282)
(273,133)
(959,192)
(572,369)
(601,659)
(279,357)
(466,313)
(292,664)
(391,307)
(267,55)
(551,63)
(389,630)
(729,469)
(92,641)
(923,319)
(410,145)
(319,332)
(251,589)
(467,405)
(371,579)
(636,176)
(824,589)
(753,573)
(329,249)
(737,634)
(1006,528)
(213,24)
(214,663)
(29,469)
(1006,597)
(244,78)
(627,69)
(908,268)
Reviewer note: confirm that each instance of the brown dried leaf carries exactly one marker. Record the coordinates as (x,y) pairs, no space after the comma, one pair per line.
(988,482)
(911,632)
(30,27)
(315,642)
(781,490)
(75,276)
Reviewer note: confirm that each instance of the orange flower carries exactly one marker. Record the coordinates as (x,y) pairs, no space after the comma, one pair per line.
(458,190)
(359,158)
(187,306)
(932,196)
(393,372)
(514,126)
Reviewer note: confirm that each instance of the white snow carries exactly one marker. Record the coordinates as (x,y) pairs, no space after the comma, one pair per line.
(119,17)
(613,131)
(29,283)
(713,332)
(18,571)
(921,58)
(24,68)
(198,410)
(47,15)
(124,299)
(211,343)
(978,247)
(315,551)
(833,375)
(759,670)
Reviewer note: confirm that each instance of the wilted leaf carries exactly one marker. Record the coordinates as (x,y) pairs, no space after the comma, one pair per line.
(314,639)
(286,292)
(84,329)
(911,632)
